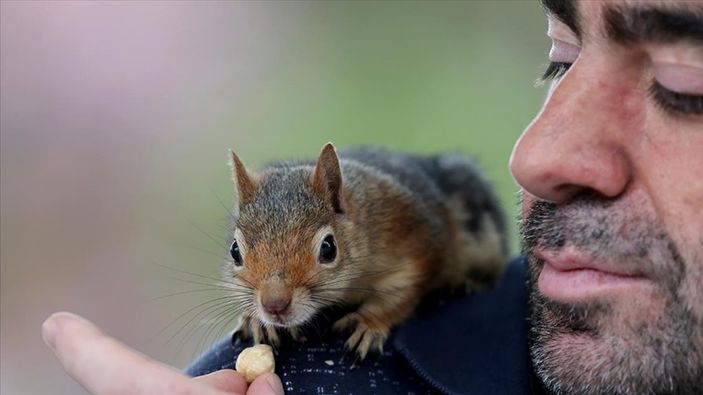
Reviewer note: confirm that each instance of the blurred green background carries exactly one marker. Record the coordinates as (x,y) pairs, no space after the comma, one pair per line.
(116,118)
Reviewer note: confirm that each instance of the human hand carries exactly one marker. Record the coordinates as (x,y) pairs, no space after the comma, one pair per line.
(103,365)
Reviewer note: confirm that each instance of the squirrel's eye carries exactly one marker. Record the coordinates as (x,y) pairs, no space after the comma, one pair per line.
(328,250)
(236,255)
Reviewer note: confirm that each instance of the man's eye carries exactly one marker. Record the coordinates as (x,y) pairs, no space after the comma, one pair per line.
(555,70)
(674,102)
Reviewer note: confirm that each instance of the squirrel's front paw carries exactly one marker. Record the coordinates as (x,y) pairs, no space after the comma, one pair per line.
(252,328)
(368,334)
(297,334)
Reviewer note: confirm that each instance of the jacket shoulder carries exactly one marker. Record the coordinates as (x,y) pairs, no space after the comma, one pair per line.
(476,344)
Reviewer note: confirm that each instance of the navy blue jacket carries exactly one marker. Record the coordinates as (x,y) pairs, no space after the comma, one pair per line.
(475,344)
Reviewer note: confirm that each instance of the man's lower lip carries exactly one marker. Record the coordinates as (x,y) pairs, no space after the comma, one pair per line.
(578,284)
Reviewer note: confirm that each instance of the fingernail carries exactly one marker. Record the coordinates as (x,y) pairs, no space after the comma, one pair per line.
(53,325)
(275,384)
(49,330)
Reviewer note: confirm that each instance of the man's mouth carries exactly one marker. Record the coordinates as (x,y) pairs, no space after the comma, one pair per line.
(568,275)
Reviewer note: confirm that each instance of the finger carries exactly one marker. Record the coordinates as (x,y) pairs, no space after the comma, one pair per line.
(104,366)
(226,380)
(267,384)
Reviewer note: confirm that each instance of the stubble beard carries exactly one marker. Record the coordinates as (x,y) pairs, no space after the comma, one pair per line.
(604,346)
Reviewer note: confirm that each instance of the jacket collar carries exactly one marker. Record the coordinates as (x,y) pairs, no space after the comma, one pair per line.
(475,344)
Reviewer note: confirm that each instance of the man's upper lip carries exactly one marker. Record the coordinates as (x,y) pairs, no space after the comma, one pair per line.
(569,258)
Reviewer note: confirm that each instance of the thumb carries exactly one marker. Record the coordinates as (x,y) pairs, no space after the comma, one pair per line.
(267,384)
(226,380)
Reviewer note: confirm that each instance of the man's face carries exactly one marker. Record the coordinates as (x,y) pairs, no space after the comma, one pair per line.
(612,177)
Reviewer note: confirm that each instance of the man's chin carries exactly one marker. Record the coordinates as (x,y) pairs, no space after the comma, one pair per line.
(605,346)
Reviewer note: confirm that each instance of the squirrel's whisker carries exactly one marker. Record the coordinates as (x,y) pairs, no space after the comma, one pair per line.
(201,305)
(211,237)
(190,291)
(182,271)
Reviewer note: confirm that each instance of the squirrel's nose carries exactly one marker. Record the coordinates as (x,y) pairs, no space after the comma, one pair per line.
(275,305)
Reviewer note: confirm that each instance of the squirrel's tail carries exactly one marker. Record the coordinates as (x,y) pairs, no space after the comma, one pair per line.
(482,237)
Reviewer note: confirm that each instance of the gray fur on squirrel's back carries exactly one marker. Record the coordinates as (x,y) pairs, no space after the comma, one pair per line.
(436,178)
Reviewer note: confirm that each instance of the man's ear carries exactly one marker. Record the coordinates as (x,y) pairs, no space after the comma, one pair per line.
(327,178)
(245,183)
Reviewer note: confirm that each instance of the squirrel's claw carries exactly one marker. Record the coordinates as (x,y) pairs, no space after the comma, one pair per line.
(251,328)
(297,335)
(365,338)
(265,334)
(272,336)
(256,329)
(346,322)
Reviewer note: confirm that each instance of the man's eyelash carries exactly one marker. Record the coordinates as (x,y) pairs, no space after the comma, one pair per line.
(555,70)
(674,102)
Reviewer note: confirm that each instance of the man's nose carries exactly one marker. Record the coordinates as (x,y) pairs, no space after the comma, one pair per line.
(578,142)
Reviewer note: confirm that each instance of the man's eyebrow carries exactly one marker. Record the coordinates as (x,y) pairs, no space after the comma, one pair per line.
(565,11)
(629,25)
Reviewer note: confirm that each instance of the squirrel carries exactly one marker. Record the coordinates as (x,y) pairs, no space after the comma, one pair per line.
(366,227)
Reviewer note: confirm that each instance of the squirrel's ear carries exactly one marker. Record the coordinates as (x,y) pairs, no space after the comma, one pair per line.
(244,182)
(327,177)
